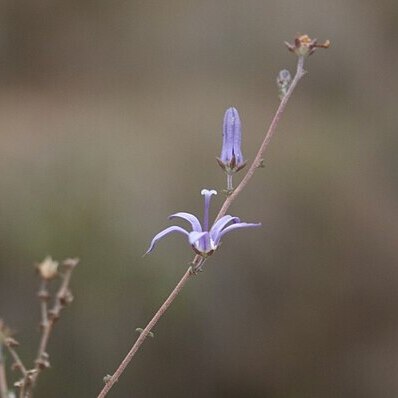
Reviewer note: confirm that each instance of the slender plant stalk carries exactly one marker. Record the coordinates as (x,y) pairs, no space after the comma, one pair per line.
(18,364)
(111,380)
(3,377)
(45,324)
(3,381)
(143,335)
(47,271)
(17,360)
(48,320)
(271,130)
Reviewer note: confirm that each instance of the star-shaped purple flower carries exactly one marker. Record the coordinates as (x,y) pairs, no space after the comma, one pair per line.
(204,241)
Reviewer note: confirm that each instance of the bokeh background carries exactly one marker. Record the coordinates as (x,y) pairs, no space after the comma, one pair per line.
(110,120)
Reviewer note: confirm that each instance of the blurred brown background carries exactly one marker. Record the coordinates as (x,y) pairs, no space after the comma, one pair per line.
(110,120)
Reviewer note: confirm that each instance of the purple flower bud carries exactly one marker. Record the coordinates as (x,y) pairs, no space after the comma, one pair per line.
(231,158)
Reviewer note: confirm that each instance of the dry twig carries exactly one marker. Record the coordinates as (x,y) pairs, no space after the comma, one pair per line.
(48,270)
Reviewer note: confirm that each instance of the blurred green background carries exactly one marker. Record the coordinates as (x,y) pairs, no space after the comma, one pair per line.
(110,120)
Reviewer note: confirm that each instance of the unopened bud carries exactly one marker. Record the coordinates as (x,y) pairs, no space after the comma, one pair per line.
(71,262)
(283,82)
(53,315)
(43,295)
(20,383)
(231,158)
(48,268)
(107,378)
(43,362)
(66,298)
(141,330)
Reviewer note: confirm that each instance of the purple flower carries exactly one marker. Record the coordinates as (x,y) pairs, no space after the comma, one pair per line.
(231,158)
(204,241)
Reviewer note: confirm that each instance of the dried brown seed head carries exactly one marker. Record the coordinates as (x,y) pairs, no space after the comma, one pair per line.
(304,46)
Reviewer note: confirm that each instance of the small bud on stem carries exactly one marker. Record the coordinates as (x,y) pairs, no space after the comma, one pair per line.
(283,81)
(48,269)
(231,158)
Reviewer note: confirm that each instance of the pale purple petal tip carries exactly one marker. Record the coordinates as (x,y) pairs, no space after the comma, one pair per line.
(236,226)
(207,193)
(195,223)
(163,233)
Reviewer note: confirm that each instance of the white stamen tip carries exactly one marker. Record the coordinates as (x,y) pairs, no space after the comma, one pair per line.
(208,192)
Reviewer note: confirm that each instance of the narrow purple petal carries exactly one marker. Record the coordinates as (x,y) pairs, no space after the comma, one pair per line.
(237,137)
(226,150)
(235,226)
(195,223)
(207,194)
(220,224)
(238,156)
(163,233)
(226,144)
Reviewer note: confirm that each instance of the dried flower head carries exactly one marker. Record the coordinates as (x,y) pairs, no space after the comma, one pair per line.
(48,268)
(304,45)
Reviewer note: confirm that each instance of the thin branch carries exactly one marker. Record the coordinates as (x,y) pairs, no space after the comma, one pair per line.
(143,335)
(3,377)
(271,130)
(48,270)
(198,260)
(48,320)
(11,343)
(18,364)
(44,296)
(17,360)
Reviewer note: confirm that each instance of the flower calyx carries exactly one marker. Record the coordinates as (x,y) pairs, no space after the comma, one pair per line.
(304,46)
